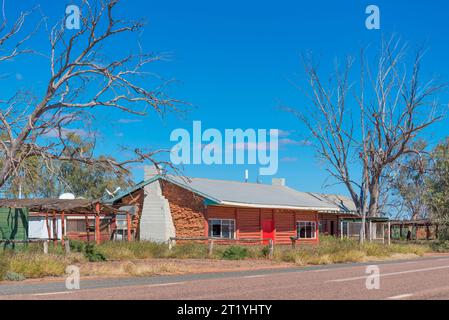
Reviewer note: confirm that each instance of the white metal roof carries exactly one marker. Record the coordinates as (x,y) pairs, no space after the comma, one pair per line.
(235,193)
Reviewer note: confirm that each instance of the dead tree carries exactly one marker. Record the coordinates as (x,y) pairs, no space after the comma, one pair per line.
(80,78)
(364,126)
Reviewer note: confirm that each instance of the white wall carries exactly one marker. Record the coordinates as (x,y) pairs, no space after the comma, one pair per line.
(37,228)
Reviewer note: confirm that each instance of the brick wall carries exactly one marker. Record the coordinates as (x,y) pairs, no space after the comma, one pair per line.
(136,198)
(187,209)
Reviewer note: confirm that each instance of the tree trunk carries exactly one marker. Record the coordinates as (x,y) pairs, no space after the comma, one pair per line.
(374,197)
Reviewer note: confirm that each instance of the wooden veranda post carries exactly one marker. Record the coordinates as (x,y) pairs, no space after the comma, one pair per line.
(389,232)
(62,227)
(87,227)
(128,226)
(48,225)
(97,224)
(55,229)
(341,229)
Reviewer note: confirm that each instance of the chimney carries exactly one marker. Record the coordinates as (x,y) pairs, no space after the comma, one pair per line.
(149,172)
(280,182)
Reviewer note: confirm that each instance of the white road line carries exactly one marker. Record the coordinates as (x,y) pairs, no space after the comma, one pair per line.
(391,274)
(51,293)
(256,276)
(164,284)
(401,296)
(321,270)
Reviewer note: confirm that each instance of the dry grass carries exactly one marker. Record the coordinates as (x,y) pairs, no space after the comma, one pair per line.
(37,265)
(333,250)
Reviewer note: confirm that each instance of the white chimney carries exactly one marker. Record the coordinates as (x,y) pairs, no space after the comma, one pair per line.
(280,182)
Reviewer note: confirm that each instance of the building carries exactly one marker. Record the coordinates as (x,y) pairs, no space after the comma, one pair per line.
(170,206)
(57,219)
(422,229)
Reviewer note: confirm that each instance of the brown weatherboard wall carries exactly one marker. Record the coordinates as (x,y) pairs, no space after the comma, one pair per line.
(187,209)
(329,224)
(249,222)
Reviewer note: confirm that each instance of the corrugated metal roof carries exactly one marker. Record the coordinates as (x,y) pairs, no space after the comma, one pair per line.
(245,194)
(251,194)
(344,203)
(48,204)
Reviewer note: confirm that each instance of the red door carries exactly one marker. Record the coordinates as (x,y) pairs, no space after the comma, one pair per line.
(268,230)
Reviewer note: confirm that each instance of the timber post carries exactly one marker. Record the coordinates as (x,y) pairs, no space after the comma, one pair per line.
(389,233)
(128,226)
(67,246)
(62,227)
(55,229)
(271,246)
(211,247)
(97,224)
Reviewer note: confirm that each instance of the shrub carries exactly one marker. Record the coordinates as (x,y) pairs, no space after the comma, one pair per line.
(235,253)
(266,252)
(89,250)
(92,254)
(13,276)
(77,246)
(440,246)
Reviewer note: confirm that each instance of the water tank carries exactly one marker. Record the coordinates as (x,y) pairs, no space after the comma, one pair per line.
(67,196)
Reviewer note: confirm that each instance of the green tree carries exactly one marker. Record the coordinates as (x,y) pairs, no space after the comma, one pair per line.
(438,188)
(87,180)
(408,185)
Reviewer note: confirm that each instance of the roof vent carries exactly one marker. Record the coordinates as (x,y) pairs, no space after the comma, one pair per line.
(280,182)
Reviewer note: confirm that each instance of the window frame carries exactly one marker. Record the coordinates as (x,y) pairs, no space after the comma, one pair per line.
(305,222)
(232,223)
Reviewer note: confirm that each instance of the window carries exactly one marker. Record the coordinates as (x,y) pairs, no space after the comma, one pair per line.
(77,225)
(306,229)
(121,222)
(222,228)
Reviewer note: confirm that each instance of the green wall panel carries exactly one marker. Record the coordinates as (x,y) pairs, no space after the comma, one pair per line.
(13,224)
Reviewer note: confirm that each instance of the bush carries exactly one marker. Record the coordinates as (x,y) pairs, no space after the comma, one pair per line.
(440,246)
(13,276)
(92,254)
(77,246)
(265,252)
(235,253)
(89,250)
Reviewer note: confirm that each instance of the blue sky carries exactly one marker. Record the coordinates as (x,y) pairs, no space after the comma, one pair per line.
(237,62)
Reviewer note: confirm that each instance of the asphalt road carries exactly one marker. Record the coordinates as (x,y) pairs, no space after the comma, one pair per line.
(426,278)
